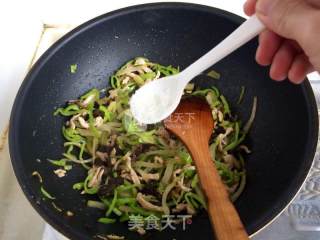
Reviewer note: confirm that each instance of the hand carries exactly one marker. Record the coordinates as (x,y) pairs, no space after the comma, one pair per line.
(291,43)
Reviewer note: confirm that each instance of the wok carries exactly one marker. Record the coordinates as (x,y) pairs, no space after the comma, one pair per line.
(283,138)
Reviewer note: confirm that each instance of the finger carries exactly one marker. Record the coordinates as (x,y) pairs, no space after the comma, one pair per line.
(282,61)
(269,43)
(314,3)
(284,17)
(299,69)
(250,7)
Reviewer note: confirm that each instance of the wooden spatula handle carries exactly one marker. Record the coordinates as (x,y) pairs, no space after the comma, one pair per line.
(224,217)
(195,133)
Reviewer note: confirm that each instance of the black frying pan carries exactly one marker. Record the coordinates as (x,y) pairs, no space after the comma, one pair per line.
(283,137)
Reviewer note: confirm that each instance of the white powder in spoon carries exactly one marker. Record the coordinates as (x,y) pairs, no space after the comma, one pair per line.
(151,106)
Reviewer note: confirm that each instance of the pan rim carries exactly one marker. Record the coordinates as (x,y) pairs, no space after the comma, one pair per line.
(26,84)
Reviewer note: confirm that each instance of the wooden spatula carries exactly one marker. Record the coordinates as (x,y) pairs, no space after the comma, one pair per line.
(192,122)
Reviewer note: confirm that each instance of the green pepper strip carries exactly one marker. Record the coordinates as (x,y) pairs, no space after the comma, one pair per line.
(46,194)
(242,90)
(225,172)
(213,149)
(191,201)
(123,201)
(125,187)
(70,148)
(148,75)
(108,115)
(194,181)
(115,210)
(91,122)
(234,142)
(68,111)
(201,92)
(113,203)
(69,156)
(225,105)
(61,163)
(187,199)
(124,217)
(71,134)
(78,186)
(216,90)
(106,220)
(201,196)
(114,81)
(92,91)
(93,190)
(82,148)
(241,186)
(196,197)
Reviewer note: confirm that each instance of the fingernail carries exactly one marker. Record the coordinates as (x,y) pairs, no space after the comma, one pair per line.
(264,7)
(294,78)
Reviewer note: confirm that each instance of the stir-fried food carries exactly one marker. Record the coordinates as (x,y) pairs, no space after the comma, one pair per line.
(142,170)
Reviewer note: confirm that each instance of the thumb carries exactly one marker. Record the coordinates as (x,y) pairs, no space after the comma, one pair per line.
(293,19)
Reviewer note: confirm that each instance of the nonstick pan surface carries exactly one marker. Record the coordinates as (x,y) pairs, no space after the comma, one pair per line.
(283,138)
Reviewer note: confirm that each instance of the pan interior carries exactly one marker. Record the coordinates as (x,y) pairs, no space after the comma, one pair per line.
(283,136)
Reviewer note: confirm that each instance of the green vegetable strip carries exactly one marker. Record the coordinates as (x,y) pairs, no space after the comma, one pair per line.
(155,153)
(213,148)
(225,105)
(82,148)
(213,74)
(46,194)
(78,186)
(124,218)
(106,220)
(201,196)
(240,189)
(71,135)
(73,68)
(56,207)
(96,204)
(68,111)
(235,142)
(88,190)
(61,163)
(114,81)
(108,116)
(123,201)
(197,198)
(117,212)
(195,181)
(42,190)
(113,203)
(93,94)
(91,124)
(242,90)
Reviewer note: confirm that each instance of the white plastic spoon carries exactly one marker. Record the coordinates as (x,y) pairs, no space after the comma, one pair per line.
(156,100)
